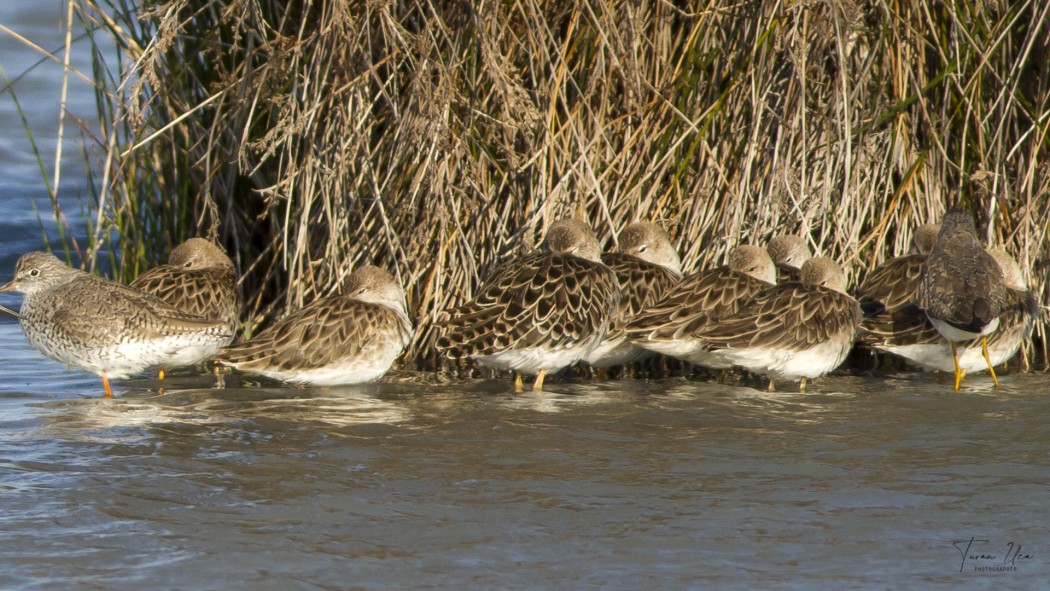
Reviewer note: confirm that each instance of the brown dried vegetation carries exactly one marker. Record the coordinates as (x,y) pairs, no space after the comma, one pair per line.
(437,138)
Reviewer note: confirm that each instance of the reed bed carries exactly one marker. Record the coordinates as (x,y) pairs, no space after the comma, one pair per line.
(438,138)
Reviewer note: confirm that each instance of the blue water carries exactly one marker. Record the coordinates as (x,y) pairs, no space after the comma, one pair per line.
(866,483)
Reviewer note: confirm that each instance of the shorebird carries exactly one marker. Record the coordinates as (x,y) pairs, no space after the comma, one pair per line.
(924,346)
(539,312)
(1019,313)
(199,279)
(961,288)
(101,326)
(796,330)
(646,267)
(338,340)
(893,321)
(671,326)
(788,252)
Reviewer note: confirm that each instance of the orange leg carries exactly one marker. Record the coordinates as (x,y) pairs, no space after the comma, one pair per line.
(991,370)
(958,371)
(105,386)
(537,386)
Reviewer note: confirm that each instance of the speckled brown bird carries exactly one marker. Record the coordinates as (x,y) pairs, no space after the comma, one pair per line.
(924,346)
(962,289)
(789,252)
(539,312)
(646,267)
(338,340)
(104,327)
(893,321)
(198,279)
(797,330)
(671,325)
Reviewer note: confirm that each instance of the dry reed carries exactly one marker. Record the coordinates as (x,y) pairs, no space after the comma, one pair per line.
(438,138)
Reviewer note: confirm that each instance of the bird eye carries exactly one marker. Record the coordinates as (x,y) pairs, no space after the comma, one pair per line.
(34,272)
(643,248)
(188,264)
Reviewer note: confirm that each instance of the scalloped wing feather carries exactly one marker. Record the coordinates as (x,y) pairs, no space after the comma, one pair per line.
(209,293)
(540,299)
(327,331)
(90,302)
(689,306)
(790,316)
(894,284)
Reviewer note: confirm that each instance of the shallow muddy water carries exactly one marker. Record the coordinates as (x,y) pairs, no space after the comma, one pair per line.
(862,483)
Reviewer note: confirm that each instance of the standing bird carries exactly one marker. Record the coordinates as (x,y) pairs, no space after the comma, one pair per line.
(646,267)
(199,279)
(961,288)
(338,340)
(104,327)
(1019,313)
(671,326)
(795,330)
(789,252)
(539,312)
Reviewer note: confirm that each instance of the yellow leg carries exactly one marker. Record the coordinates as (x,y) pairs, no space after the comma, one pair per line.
(537,386)
(722,376)
(105,386)
(602,374)
(772,387)
(958,370)
(160,374)
(991,370)
(518,385)
(802,386)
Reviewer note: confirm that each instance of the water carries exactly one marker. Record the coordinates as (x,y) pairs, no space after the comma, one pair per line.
(866,483)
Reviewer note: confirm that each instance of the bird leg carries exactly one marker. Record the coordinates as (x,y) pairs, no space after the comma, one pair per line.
(537,386)
(602,374)
(958,370)
(772,387)
(518,385)
(991,370)
(802,386)
(105,386)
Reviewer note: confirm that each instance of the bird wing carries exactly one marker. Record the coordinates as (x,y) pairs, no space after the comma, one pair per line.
(91,302)
(892,285)
(328,330)
(789,316)
(642,284)
(541,298)
(209,293)
(691,305)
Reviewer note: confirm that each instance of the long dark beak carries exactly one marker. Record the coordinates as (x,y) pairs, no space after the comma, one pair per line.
(11,312)
(9,286)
